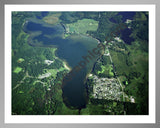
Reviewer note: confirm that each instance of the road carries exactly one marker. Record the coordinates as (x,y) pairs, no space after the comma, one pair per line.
(116,76)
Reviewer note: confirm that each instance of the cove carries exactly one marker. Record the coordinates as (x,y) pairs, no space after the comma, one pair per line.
(71,49)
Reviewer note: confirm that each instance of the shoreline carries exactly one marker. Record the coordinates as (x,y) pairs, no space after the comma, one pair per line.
(66,65)
(87,35)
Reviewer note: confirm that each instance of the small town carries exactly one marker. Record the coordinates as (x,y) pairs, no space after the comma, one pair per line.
(107,88)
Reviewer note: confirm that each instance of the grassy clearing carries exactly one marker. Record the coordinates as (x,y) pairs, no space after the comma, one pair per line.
(53,72)
(17,70)
(52,18)
(20,60)
(21,92)
(107,68)
(82,26)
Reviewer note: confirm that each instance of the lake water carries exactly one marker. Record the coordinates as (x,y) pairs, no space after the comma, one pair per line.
(71,49)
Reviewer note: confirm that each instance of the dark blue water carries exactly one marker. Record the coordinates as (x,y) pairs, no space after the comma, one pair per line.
(125,33)
(125,36)
(71,49)
(43,14)
(127,15)
(32,26)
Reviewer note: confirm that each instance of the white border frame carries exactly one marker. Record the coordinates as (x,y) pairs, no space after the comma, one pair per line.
(79,119)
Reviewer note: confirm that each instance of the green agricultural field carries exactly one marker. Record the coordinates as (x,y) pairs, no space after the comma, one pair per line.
(82,26)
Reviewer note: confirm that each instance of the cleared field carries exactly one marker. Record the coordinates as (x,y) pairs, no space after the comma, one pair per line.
(52,18)
(53,72)
(82,26)
(20,60)
(108,69)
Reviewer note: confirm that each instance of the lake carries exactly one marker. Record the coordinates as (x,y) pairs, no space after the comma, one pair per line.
(72,49)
